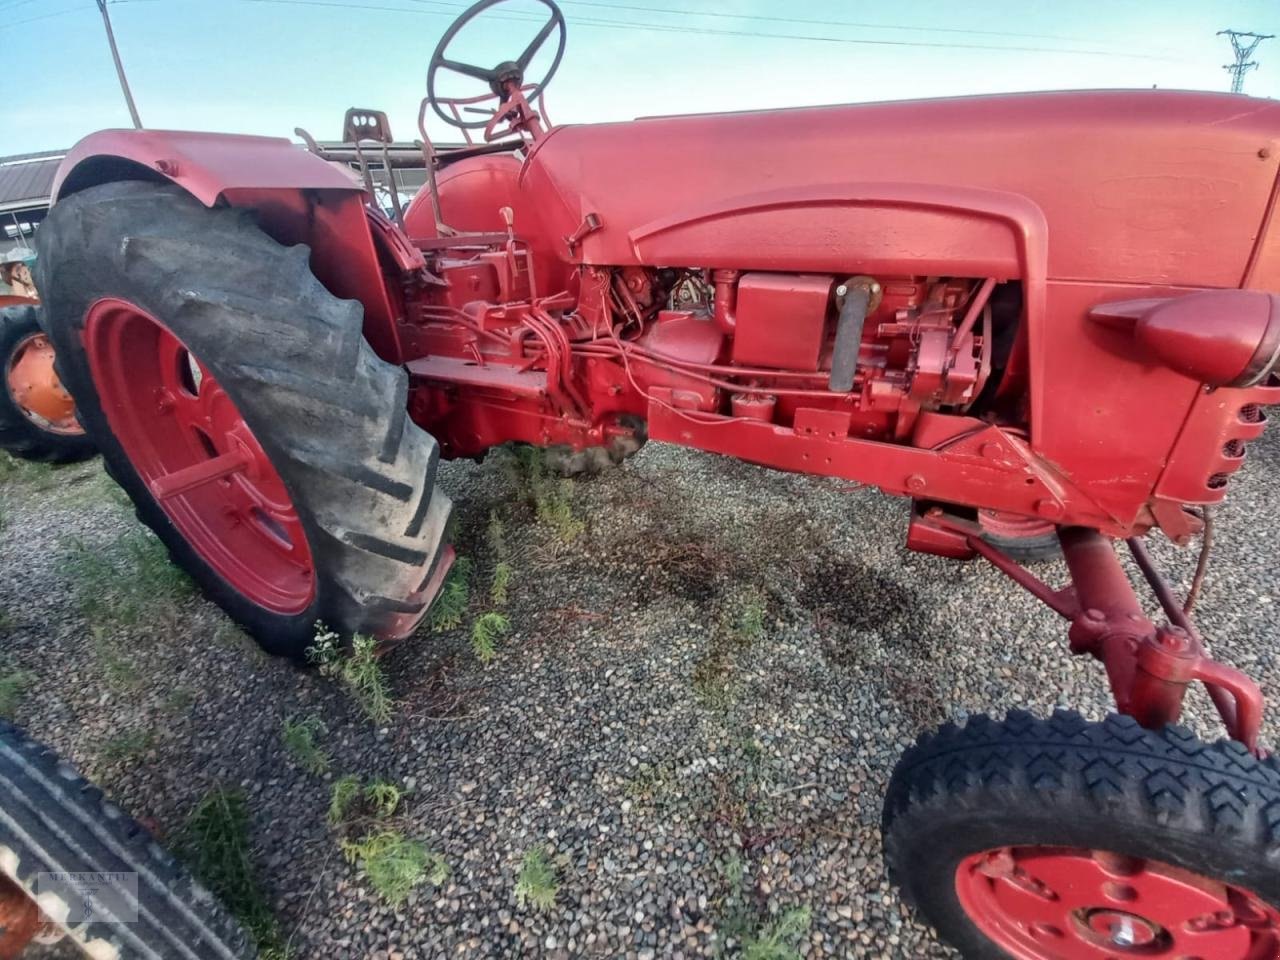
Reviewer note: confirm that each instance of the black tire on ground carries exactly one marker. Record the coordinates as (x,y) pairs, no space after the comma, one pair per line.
(19,434)
(52,820)
(1027,549)
(1213,809)
(330,414)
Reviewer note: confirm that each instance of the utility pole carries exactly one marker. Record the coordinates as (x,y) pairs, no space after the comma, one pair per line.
(115,55)
(1243,44)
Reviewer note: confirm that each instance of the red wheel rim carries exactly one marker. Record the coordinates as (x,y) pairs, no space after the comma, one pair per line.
(192,448)
(1012,526)
(1065,903)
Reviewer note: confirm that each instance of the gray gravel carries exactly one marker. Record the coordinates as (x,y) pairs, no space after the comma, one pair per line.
(617,726)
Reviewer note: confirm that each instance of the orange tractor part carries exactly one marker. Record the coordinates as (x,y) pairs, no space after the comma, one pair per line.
(36,389)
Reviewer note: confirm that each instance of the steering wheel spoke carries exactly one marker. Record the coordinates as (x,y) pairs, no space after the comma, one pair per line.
(468,69)
(536,44)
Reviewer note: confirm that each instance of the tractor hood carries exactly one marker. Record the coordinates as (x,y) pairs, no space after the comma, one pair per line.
(1148,187)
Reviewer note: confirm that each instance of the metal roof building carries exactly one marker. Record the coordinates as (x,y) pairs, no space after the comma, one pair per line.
(26,187)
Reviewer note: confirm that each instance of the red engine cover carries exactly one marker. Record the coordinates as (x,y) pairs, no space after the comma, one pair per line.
(780,320)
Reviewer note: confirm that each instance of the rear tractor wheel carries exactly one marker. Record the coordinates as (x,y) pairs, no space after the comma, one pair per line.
(1061,839)
(237,403)
(37,415)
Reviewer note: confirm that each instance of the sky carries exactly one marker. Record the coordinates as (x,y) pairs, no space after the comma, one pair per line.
(268,66)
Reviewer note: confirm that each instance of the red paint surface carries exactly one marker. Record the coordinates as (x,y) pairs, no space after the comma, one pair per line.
(192,448)
(1058,333)
(1064,903)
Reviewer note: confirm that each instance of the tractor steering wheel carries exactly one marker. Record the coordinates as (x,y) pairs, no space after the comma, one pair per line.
(505,72)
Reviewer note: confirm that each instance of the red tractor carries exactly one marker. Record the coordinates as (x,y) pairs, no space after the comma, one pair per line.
(1032,311)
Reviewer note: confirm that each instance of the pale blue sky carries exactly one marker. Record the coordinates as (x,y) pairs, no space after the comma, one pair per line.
(266,66)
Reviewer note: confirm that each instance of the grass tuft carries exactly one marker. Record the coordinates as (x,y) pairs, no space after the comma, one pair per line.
(215,845)
(449,607)
(537,885)
(128,746)
(395,864)
(358,670)
(550,496)
(485,634)
(128,582)
(299,738)
(748,614)
(13,687)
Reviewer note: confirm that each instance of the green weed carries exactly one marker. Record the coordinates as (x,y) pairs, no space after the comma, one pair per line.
(15,470)
(485,634)
(346,792)
(13,687)
(382,797)
(537,886)
(748,614)
(779,940)
(496,535)
(501,582)
(118,668)
(215,845)
(395,864)
(299,738)
(358,670)
(712,680)
(741,624)
(451,605)
(128,746)
(653,785)
(550,496)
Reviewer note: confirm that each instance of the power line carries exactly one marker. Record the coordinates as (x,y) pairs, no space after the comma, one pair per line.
(816,23)
(1243,44)
(630,25)
(43,16)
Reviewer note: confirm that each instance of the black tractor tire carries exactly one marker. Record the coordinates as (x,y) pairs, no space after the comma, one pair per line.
(52,820)
(21,436)
(330,415)
(1027,549)
(1162,795)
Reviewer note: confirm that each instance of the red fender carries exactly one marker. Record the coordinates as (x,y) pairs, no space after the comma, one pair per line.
(298,198)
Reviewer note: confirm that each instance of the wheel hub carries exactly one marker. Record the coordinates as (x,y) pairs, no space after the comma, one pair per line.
(200,460)
(36,390)
(1118,929)
(1065,903)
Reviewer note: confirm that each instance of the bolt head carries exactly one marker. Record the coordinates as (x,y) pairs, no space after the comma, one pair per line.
(841,290)
(1049,509)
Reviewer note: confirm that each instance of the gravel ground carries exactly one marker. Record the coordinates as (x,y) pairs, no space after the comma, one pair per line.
(618,726)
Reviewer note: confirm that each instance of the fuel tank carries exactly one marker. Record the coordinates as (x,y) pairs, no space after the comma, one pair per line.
(1134,187)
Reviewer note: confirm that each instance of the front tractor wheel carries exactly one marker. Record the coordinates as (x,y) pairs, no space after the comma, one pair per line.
(37,415)
(1061,839)
(237,403)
